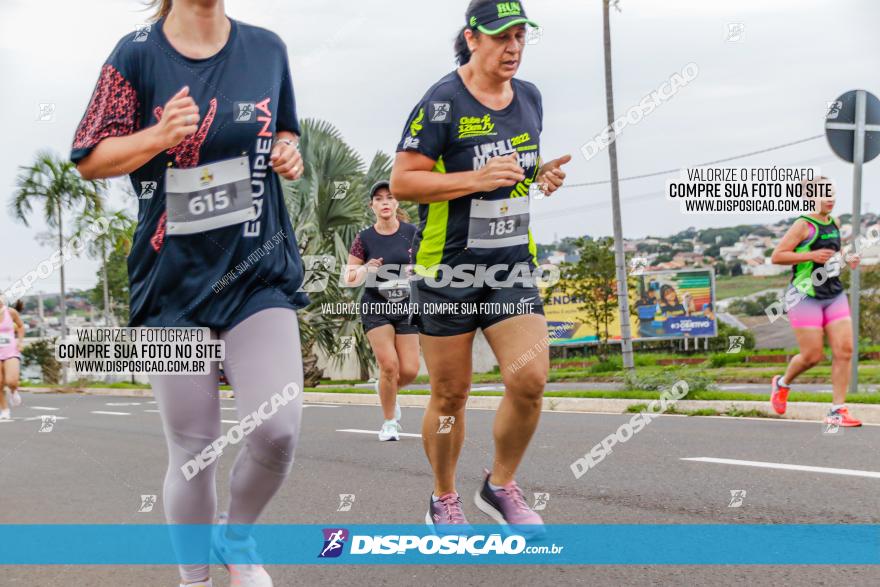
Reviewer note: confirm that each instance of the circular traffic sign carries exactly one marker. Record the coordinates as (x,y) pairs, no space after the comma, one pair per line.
(841,125)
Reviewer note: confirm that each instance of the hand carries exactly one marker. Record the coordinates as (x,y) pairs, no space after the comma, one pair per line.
(373,265)
(180,119)
(853,260)
(821,256)
(551,177)
(19,344)
(499,172)
(287,161)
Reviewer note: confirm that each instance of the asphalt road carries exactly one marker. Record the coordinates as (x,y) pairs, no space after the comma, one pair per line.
(104,453)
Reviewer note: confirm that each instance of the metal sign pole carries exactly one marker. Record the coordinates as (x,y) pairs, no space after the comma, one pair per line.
(858,159)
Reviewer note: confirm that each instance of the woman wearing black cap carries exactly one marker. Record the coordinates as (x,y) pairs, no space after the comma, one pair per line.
(470,156)
(381,255)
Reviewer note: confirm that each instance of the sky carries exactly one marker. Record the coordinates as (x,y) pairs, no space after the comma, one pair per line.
(363,66)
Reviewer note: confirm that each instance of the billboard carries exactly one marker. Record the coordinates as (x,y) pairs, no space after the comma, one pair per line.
(664,305)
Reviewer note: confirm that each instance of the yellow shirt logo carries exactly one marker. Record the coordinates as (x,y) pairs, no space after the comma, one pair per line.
(473,126)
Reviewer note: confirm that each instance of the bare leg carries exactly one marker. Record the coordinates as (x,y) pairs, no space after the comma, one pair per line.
(382,341)
(449,365)
(810,343)
(407,346)
(11,371)
(524,362)
(3,404)
(840,338)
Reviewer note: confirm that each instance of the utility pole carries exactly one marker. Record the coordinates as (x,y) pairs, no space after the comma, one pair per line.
(619,255)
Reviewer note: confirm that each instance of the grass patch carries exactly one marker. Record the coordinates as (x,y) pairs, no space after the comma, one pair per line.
(752,413)
(744,285)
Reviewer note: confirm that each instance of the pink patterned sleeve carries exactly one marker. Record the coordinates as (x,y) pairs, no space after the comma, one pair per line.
(357,249)
(112,112)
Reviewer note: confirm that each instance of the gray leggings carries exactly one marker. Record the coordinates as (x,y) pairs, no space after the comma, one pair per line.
(263,355)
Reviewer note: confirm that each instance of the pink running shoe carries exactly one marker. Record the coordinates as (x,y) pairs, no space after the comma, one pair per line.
(508,507)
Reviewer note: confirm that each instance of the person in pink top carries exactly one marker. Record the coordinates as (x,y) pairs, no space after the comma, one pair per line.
(11,338)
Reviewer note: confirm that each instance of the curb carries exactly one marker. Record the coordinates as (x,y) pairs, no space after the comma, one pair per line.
(868,413)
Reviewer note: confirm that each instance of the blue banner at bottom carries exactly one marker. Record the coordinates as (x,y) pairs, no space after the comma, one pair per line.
(592,544)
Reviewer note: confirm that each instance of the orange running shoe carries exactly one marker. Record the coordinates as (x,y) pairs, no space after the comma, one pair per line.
(778,395)
(841,417)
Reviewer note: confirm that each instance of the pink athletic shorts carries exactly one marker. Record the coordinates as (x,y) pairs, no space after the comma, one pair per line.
(812,313)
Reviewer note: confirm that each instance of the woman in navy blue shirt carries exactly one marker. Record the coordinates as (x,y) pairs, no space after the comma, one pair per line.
(198,110)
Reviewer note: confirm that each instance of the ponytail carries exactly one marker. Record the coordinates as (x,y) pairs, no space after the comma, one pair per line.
(462,52)
(161,8)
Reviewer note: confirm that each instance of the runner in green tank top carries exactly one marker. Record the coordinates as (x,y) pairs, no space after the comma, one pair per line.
(817,304)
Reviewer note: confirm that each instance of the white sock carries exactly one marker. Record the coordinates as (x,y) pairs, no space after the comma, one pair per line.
(493,487)
(835,407)
(781,382)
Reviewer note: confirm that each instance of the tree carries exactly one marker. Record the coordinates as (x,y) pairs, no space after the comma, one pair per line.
(58,186)
(592,281)
(325,227)
(869,302)
(115,271)
(106,233)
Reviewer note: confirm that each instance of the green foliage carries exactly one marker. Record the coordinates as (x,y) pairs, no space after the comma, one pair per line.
(607,366)
(720,360)
(117,280)
(722,341)
(753,307)
(591,280)
(696,380)
(42,353)
(869,303)
(325,228)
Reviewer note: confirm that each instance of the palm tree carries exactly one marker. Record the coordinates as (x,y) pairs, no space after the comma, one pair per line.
(325,227)
(620,257)
(105,232)
(56,183)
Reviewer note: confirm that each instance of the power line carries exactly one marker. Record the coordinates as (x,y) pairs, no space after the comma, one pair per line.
(668,171)
(539,216)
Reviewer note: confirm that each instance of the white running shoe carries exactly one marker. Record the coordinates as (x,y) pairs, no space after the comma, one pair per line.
(390,431)
(250,574)
(5,415)
(199,584)
(15,399)
(398,415)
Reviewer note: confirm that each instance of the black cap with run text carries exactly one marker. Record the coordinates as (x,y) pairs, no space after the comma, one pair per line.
(497,17)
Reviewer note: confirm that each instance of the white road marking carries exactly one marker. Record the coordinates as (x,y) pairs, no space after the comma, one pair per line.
(788,467)
(376,432)
(44,408)
(117,404)
(152,411)
(41,417)
(228,409)
(488,388)
(318,406)
(230,421)
(112,413)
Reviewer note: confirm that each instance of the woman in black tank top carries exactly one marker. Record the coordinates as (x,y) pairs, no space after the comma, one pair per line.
(381,256)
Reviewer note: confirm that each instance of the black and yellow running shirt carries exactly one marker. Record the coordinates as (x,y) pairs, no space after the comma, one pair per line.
(451,127)
(805,278)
